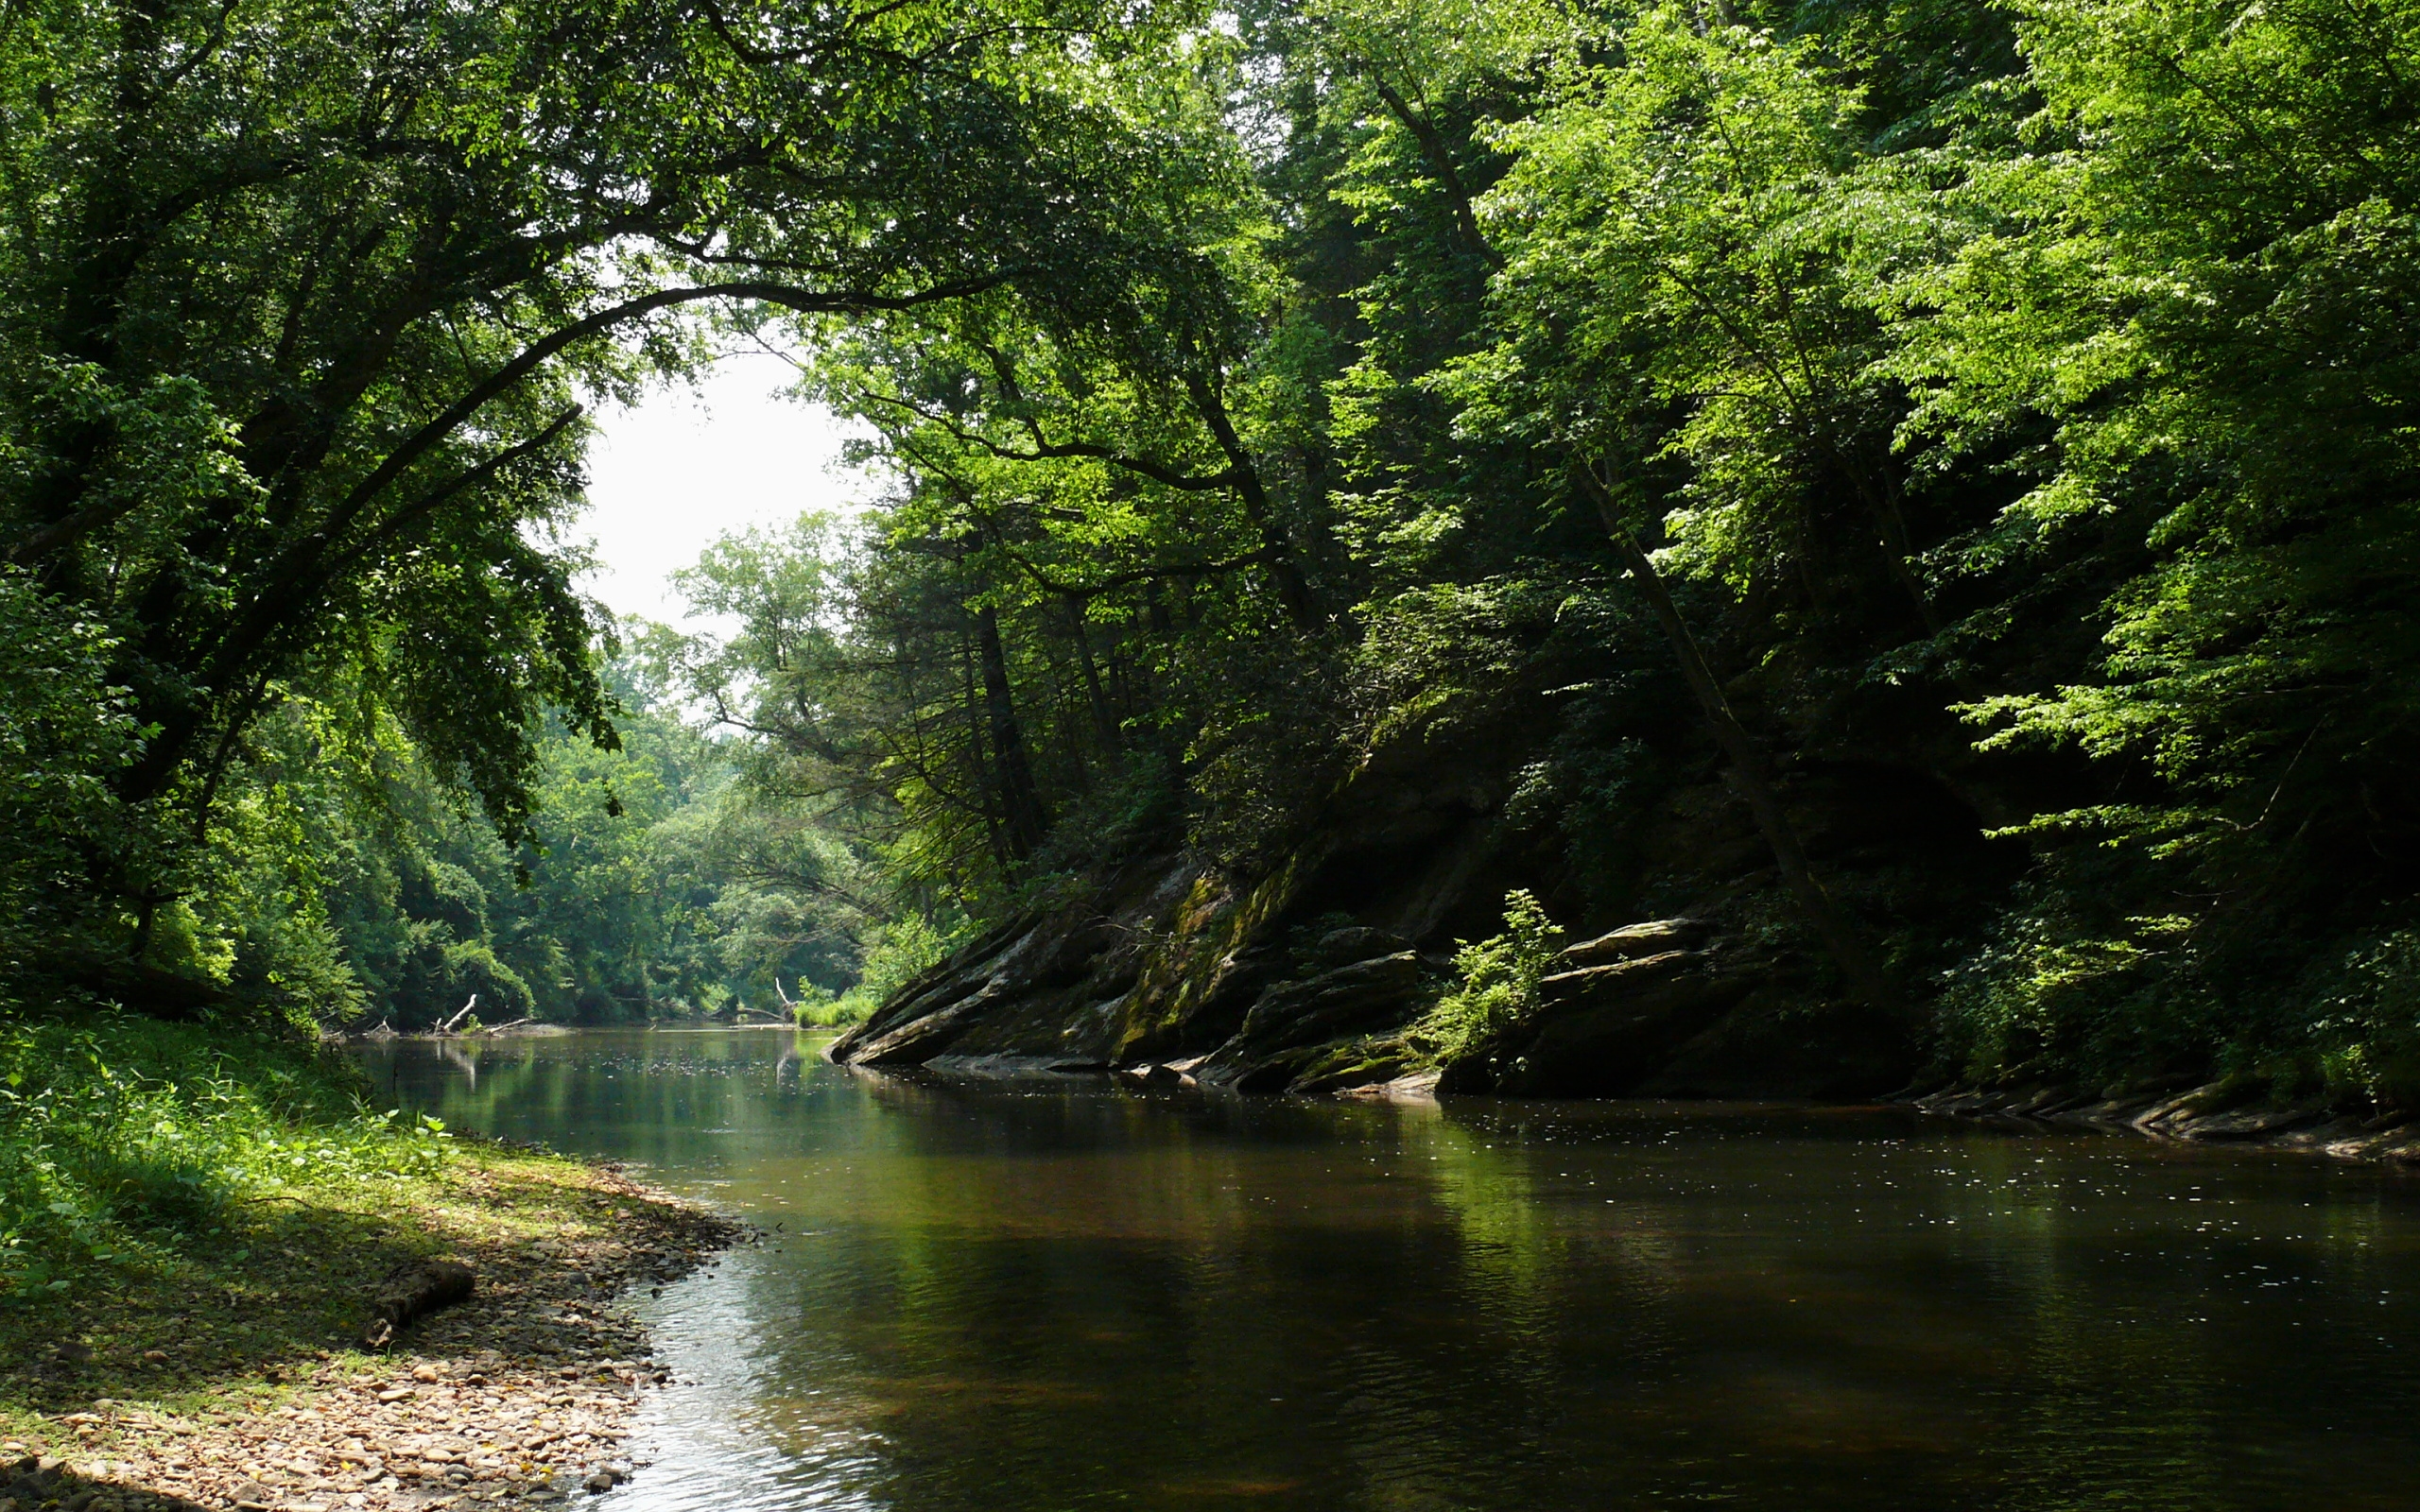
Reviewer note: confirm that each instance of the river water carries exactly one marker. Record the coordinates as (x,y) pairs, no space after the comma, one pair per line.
(1062,1293)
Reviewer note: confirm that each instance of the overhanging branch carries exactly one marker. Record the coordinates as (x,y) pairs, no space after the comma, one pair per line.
(1047,452)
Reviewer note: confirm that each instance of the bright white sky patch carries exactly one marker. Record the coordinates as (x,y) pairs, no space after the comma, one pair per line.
(687,465)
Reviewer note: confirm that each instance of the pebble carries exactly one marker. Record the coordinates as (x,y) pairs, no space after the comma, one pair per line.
(516,1397)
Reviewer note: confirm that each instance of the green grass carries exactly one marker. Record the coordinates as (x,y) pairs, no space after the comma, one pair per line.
(194,1219)
(818,1009)
(127,1144)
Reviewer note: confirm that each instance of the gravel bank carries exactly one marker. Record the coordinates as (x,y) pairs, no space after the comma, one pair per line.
(522,1396)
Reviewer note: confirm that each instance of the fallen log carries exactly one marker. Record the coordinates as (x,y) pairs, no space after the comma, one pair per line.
(412,1291)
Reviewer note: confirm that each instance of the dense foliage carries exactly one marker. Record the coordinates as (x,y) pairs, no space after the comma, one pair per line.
(1994,418)
(127,1141)
(643,889)
(299,306)
(2001,409)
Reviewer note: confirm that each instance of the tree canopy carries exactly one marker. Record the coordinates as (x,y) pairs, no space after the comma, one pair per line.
(1999,411)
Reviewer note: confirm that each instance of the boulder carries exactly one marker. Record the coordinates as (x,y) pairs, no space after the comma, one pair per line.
(1602,1030)
(1293,1016)
(1631,941)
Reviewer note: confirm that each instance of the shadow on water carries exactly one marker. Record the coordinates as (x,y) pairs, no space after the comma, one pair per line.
(1065,1294)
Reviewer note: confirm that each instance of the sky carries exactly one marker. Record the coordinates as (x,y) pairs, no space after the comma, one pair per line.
(669,475)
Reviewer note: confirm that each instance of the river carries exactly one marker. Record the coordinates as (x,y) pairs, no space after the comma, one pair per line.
(1064,1294)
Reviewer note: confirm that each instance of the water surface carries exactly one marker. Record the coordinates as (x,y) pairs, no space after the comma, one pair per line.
(1035,1297)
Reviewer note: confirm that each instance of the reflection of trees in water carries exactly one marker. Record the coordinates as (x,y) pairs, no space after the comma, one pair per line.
(1021,1294)
(1509,1254)
(1778,1295)
(469,1064)
(2163,1320)
(641,1095)
(1048,1112)
(1051,1255)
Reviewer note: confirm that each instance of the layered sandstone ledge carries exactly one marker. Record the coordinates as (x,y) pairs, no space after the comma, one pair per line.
(2194,1112)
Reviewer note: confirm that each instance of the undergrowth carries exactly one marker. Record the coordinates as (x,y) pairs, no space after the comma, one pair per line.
(126,1142)
(898,952)
(1499,988)
(2059,995)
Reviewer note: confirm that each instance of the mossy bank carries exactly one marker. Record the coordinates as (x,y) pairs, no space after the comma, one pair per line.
(195,1224)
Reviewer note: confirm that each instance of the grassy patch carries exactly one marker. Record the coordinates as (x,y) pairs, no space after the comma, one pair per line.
(129,1147)
(193,1221)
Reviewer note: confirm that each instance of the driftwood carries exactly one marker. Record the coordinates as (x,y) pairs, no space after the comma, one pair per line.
(515,1023)
(447,1028)
(411,1291)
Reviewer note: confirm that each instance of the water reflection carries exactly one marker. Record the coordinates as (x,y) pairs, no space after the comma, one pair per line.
(1058,1294)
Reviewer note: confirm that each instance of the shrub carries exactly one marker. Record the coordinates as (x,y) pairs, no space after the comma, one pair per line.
(1499,990)
(899,950)
(441,974)
(65,732)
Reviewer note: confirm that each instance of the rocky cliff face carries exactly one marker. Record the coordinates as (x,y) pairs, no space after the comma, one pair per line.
(1306,977)
(1169,960)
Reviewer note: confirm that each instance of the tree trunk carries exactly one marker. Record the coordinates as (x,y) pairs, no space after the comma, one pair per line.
(1748,774)
(1104,728)
(1293,588)
(412,1290)
(1020,799)
(986,790)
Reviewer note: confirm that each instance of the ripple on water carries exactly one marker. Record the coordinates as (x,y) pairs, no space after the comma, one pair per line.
(1028,1298)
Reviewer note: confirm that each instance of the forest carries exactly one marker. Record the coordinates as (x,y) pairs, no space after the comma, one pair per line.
(1928,490)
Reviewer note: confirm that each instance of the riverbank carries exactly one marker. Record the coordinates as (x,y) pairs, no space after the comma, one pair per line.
(2189,1110)
(189,1333)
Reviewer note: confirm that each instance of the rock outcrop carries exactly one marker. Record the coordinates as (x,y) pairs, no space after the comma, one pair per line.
(1266,977)
(1313,974)
(2191,1111)
(1608,1022)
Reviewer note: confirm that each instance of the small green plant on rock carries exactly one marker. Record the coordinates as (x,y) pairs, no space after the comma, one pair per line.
(1499,990)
